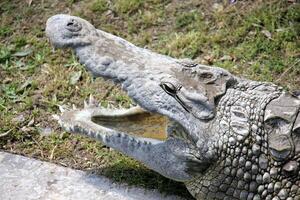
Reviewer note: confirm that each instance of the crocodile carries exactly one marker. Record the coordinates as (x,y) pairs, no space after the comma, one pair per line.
(225,137)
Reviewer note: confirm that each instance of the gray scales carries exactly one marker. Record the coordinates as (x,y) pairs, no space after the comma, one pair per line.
(226,137)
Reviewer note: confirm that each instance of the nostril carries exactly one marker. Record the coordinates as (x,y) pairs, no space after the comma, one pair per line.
(73,25)
(71,22)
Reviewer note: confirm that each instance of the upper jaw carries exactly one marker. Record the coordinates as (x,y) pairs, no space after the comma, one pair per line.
(138,70)
(62,37)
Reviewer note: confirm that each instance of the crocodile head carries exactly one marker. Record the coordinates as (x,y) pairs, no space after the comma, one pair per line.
(209,118)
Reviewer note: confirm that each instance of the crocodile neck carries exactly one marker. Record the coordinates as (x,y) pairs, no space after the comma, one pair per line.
(245,169)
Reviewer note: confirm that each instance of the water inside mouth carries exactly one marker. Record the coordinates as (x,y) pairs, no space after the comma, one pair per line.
(142,124)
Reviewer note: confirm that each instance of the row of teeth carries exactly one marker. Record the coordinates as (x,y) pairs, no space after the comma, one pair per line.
(90,103)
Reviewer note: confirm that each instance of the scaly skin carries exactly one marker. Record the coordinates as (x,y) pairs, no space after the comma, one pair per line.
(227,137)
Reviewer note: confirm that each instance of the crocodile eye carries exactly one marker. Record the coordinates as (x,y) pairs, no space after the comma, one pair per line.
(169,88)
(73,25)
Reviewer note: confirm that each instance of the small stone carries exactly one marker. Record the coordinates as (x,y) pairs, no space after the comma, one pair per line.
(244,150)
(264,194)
(211,195)
(269,197)
(277,186)
(259,179)
(220,195)
(294,189)
(263,162)
(258,139)
(228,162)
(266,177)
(249,153)
(230,191)
(243,195)
(253,186)
(275,198)
(213,188)
(236,193)
(204,190)
(283,194)
(250,196)
(228,180)
(235,162)
(240,138)
(237,151)
(232,141)
(224,187)
(254,128)
(273,172)
(256,197)
(256,149)
(205,183)
(242,161)
(291,167)
(254,169)
(248,165)
(288,184)
(260,189)
(247,176)
(241,184)
(220,143)
(227,171)
(284,181)
(233,172)
(231,151)
(240,173)
(247,141)
(270,187)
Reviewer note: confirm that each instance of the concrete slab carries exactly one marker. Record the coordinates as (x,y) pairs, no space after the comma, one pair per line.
(23,178)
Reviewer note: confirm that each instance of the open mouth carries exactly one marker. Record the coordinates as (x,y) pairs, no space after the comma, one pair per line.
(133,121)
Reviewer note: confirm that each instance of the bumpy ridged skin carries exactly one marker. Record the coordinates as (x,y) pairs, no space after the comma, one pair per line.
(245,169)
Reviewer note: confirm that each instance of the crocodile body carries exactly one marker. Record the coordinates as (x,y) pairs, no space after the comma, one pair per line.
(247,169)
(226,137)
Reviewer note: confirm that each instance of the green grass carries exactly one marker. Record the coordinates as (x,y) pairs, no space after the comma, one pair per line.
(255,39)
(127,6)
(99,6)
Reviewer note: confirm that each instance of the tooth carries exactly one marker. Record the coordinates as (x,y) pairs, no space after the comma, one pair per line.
(56,117)
(92,100)
(67,128)
(85,104)
(61,108)
(74,106)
